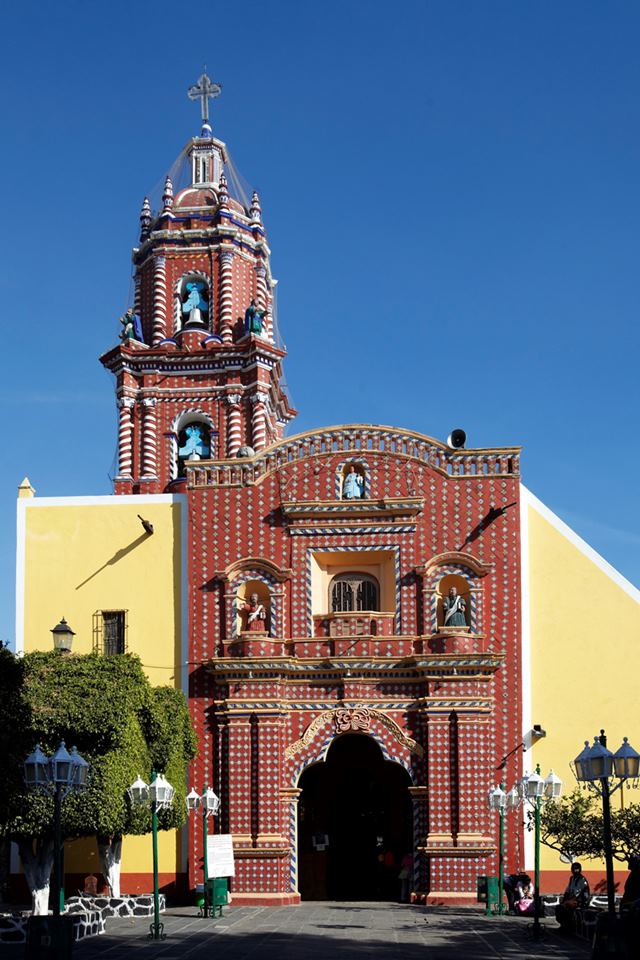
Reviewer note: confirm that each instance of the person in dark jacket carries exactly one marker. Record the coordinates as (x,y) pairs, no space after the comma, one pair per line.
(576,895)
(631,894)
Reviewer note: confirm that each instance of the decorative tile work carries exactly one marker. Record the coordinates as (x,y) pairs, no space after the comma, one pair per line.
(248,721)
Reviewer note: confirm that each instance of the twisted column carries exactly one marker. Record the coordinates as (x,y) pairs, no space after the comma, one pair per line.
(226,296)
(149,444)
(259,421)
(159,300)
(289,797)
(125,436)
(234,424)
(263,301)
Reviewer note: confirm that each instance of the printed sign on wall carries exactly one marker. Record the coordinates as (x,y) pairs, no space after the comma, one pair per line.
(220,855)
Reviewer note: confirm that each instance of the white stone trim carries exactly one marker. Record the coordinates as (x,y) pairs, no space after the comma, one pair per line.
(20,572)
(525,757)
(101,499)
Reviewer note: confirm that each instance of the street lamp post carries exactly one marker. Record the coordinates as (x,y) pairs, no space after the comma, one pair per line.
(158,795)
(498,801)
(56,777)
(535,791)
(596,767)
(501,801)
(208,804)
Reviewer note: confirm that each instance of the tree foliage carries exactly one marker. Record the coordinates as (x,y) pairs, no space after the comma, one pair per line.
(120,724)
(574,827)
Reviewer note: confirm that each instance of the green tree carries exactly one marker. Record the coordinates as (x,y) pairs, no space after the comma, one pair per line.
(574,827)
(14,746)
(106,707)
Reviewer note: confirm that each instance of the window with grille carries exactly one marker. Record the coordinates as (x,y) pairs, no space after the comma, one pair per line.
(110,632)
(354,591)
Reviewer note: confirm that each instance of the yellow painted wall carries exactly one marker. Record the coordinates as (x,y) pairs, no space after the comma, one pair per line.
(81,856)
(585,632)
(82,557)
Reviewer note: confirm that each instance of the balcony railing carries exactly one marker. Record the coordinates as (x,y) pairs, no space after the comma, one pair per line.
(357,623)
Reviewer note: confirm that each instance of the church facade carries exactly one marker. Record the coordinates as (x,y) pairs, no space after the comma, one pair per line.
(349,610)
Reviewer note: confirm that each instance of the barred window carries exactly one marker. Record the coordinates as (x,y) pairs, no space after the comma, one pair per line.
(353,592)
(110,632)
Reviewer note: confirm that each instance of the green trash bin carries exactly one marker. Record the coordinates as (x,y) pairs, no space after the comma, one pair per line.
(220,894)
(217,897)
(49,938)
(488,892)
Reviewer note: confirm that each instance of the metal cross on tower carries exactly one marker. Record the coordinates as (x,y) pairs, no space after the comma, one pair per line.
(202,91)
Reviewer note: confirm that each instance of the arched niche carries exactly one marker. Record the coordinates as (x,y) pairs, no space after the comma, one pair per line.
(465,573)
(352,480)
(253,605)
(192,438)
(192,301)
(450,587)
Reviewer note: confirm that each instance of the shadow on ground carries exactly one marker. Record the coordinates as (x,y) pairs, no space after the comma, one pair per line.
(323,932)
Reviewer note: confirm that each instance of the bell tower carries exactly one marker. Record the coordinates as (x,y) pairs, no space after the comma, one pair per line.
(198,370)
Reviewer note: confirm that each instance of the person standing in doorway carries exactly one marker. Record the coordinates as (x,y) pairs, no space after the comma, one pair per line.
(405,877)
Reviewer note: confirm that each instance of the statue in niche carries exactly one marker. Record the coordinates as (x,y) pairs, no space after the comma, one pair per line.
(254,614)
(353,484)
(254,319)
(195,305)
(194,447)
(131,327)
(454,608)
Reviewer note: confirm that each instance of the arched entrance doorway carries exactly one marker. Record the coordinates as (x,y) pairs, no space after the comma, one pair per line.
(354,823)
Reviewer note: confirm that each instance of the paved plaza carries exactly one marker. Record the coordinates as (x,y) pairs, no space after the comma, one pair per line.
(332,931)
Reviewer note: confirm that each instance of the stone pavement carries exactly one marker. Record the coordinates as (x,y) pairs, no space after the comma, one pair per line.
(332,931)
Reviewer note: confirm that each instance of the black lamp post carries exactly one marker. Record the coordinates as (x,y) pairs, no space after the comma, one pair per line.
(57,777)
(598,768)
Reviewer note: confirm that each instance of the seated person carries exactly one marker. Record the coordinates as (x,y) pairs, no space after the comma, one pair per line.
(516,886)
(524,895)
(631,894)
(576,895)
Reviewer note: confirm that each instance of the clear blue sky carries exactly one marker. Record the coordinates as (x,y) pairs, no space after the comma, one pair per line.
(451,191)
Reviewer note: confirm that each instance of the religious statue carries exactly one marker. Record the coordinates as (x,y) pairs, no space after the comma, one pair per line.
(255,614)
(454,608)
(194,446)
(253,318)
(353,485)
(131,327)
(195,305)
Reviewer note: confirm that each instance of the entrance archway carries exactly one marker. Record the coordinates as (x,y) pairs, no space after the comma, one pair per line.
(354,823)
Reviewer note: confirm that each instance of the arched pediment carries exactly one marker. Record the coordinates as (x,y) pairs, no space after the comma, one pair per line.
(313,745)
(279,574)
(455,558)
